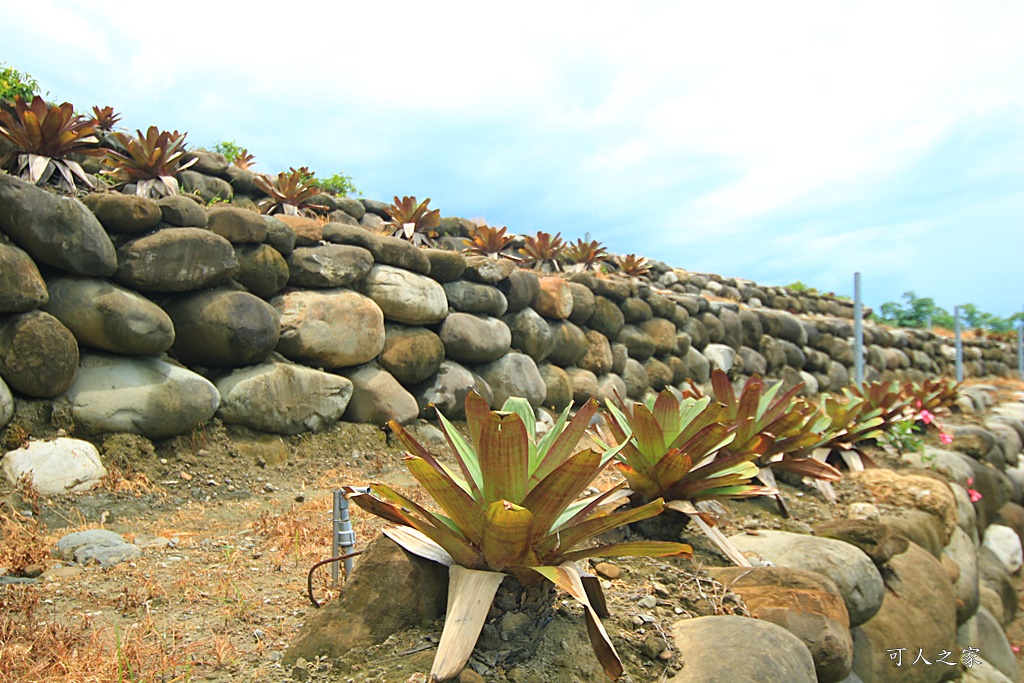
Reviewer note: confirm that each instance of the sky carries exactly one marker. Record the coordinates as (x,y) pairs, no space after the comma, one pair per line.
(774,142)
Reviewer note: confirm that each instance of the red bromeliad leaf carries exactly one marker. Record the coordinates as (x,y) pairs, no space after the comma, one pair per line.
(666,412)
(648,435)
(565,442)
(452,498)
(571,537)
(504,449)
(641,483)
(809,467)
(634,549)
(672,467)
(567,578)
(555,492)
(507,533)
(724,393)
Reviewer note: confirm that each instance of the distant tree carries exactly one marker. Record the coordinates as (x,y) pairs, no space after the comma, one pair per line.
(916,311)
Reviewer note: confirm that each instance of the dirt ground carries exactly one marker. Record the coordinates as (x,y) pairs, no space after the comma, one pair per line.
(230,522)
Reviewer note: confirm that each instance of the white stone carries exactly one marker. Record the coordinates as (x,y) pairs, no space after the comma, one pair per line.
(1004,542)
(6,404)
(54,467)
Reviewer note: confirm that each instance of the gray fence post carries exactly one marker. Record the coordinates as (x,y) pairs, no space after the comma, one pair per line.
(959,345)
(858,333)
(1020,349)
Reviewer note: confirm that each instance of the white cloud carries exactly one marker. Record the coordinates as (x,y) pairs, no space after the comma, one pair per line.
(697,125)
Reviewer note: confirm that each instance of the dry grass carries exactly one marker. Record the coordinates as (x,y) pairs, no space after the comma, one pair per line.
(22,544)
(39,644)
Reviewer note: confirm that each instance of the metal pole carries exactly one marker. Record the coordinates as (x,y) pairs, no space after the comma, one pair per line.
(343,538)
(1020,349)
(929,322)
(959,345)
(858,333)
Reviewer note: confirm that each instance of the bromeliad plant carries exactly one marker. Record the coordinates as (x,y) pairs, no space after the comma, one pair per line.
(632,265)
(887,398)
(586,255)
(413,221)
(289,193)
(543,252)
(511,508)
(104,119)
(675,448)
(44,136)
(490,242)
(150,161)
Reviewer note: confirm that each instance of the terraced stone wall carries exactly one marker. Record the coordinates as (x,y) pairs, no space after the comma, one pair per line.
(152,317)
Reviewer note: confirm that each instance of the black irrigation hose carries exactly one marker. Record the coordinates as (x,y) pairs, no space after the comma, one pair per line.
(309,577)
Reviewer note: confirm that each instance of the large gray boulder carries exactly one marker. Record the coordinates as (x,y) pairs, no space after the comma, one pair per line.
(38,354)
(727,649)
(446,390)
(471,338)
(21,286)
(282,398)
(330,328)
(473,297)
(531,333)
(58,231)
(918,613)
(514,374)
(145,396)
(570,344)
(405,297)
(328,265)
(983,632)
(847,565)
(237,226)
(124,213)
(223,328)
(108,317)
(176,260)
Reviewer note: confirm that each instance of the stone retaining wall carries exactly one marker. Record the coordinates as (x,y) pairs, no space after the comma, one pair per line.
(153,316)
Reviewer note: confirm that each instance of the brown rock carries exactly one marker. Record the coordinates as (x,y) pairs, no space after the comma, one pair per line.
(608,570)
(123,212)
(390,590)
(599,356)
(555,299)
(307,231)
(876,539)
(38,355)
(912,491)
(805,603)
(237,226)
(21,286)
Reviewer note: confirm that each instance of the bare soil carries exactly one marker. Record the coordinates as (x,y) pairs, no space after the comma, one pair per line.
(230,522)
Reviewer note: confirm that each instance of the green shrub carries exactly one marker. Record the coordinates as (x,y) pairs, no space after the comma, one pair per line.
(338,184)
(14,82)
(229,148)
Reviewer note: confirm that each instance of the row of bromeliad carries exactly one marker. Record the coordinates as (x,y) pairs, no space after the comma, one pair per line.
(47,137)
(514,506)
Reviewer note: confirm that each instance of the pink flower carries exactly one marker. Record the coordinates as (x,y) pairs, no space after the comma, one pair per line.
(946,438)
(926,416)
(975,495)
